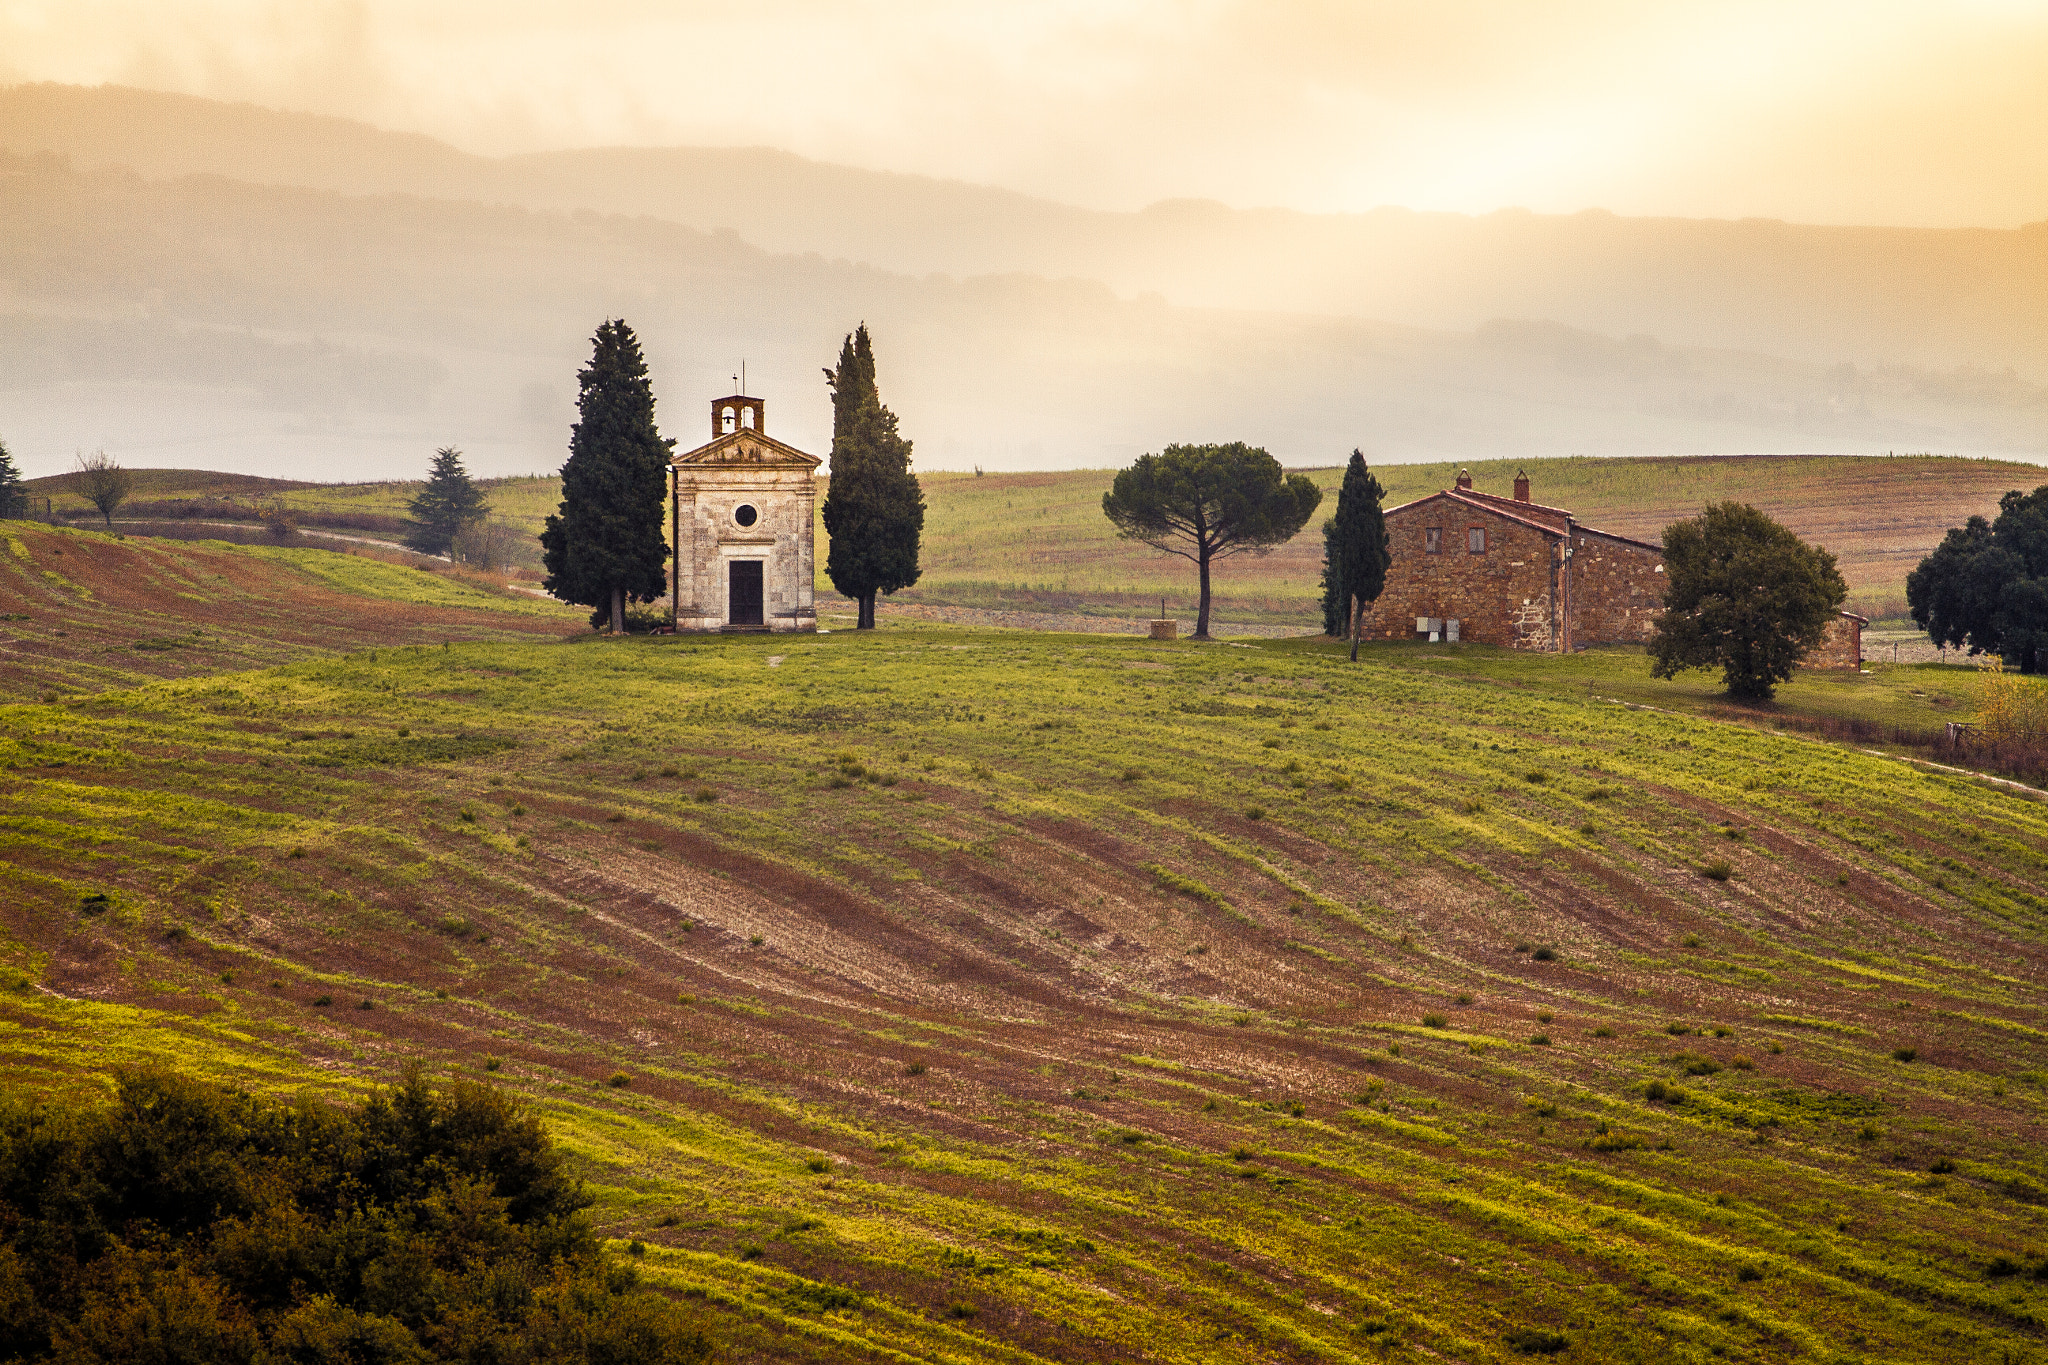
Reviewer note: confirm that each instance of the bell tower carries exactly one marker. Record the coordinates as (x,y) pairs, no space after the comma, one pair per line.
(737,413)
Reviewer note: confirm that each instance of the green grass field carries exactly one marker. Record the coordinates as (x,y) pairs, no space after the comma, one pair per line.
(940,995)
(1040,542)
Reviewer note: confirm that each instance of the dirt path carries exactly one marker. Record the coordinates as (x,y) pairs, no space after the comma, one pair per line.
(831,608)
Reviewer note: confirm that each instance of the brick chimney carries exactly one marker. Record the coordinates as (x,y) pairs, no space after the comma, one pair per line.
(1465,480)
(1521,485)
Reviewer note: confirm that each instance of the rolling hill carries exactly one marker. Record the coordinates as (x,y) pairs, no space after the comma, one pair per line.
(385,297)
(84,611)
(932,994)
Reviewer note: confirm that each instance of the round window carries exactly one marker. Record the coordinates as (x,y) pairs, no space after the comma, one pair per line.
(746,514)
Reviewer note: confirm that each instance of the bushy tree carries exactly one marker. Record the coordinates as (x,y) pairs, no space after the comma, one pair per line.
(445,506)
(874,508)
(1355,553)
(103,483)
(1746,596)
(1208,502)
(13,490)
(190,1223)
(1985,587)
(605,545)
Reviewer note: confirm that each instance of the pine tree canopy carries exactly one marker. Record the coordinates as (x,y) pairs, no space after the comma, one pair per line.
(1355,553)
(1207,502)
(605,546)
(874,508)
(447,503)
(1746,596)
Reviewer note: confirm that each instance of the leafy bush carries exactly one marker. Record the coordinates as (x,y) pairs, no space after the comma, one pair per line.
(1532,1341)
(1434,1021)
(1904,1054)
(1720,870)
(1544,955)
(395,1230)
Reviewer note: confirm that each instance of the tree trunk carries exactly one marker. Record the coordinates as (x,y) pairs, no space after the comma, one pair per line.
(1354,627)
(618,611)
(104,512)
(1202,613)
(866,618)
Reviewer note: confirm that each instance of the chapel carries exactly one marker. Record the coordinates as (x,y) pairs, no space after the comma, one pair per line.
(743,509)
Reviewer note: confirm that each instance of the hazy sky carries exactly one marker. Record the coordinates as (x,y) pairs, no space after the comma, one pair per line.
(1844,111)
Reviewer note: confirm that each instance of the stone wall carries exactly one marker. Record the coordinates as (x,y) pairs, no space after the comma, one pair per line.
(1494,595)
(1617,590)
(1840,647)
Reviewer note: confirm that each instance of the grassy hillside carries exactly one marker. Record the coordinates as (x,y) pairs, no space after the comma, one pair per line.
(1041,539)
(80,610)
(938,995)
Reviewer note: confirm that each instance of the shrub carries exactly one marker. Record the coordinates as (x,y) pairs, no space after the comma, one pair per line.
(491,1063)
(749,1251)
(755,940)
(914,1069)
(1742,1063)
(1943,1166)
(1689,941)
(1903,1054)
(323,1000)
(706,795)
(1544,955)
(1434,1021)
(1748,1273)
(818,1165)
(1603,1032)
(1868,1133)
(619,1080)
(1532,1341)
(190,1189)
(1544,1017)
(1465,998)
(366,1004)
(455,926)
(1254,812)
(1537,776)
(1998,1267)
(1678,1030)
(1720,870)
(1541,1040)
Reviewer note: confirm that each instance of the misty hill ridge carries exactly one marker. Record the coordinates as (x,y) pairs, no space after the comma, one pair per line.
(1868,295)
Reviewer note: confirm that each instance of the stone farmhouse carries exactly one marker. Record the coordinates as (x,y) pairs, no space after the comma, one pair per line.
(1478,567)
(742,507)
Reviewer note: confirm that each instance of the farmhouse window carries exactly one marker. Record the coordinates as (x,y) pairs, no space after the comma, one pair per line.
(1475,539)
(1433,540)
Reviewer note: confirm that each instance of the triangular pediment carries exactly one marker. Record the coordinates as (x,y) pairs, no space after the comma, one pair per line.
(747,450)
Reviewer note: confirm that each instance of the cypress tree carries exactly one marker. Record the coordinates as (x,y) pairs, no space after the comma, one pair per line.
(447,503)
(1355,554)
(605,544)
(13,492)
(874,511)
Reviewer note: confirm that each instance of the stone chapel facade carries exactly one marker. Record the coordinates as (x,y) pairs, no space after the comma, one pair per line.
(743,511)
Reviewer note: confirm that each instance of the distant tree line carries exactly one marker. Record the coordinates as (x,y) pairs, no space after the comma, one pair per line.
(189,1223)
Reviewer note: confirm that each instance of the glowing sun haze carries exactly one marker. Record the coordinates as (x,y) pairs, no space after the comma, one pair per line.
(1931,114)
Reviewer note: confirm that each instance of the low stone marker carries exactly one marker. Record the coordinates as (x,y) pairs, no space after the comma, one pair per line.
(1165,630)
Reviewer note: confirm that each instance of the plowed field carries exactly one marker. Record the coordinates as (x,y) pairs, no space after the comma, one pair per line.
(80,610)
(940,995)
